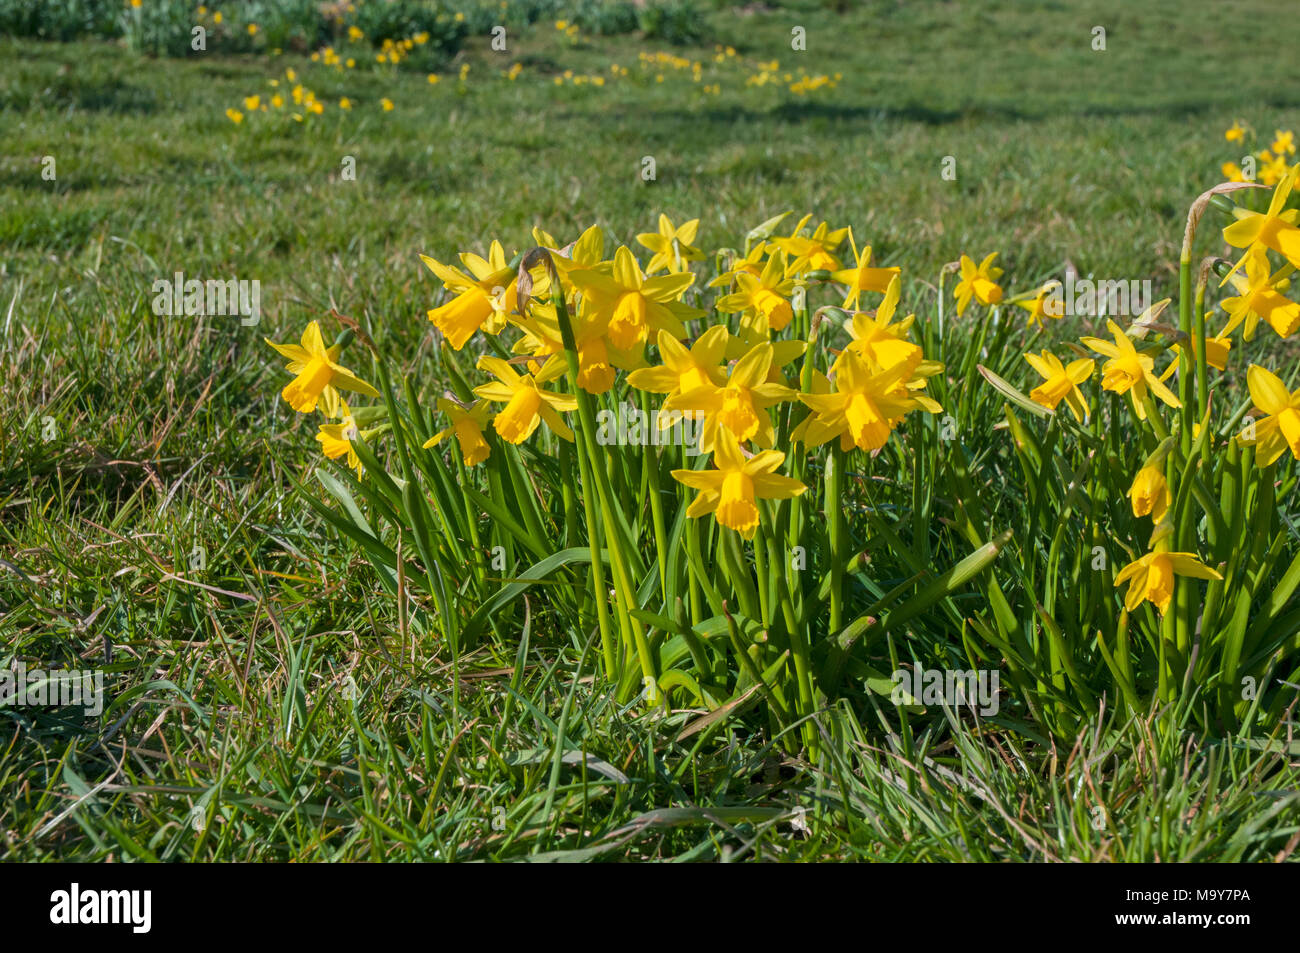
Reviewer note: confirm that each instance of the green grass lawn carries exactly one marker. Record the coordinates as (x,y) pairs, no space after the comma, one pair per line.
(278,704)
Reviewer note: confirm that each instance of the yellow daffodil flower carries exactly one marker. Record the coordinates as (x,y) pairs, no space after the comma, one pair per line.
(811,253)
(740,404)
(1280,428)
(1258,298)
(1275,229)
(467,424)
(1128,370)
(767,295)
(862,277)
(336,439)
(751,264)
(731,489)
(879,341)
(318,373)
(633,305)
(527,404)
(978,282)
(1236,133)
(1151,577)
(1232,172)
(484,298)
(671,246)
(1283,142)
(1150,493)
(1036,303)
(685,370)
(866,405)
(1060,382)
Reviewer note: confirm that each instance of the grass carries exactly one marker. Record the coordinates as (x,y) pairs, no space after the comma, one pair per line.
(277,704)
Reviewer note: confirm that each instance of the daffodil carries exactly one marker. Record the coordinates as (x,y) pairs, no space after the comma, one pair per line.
(467,425)
(1150,578)
(527,404)
(750,264)
(1232,172)
(336,439)
(1150,493)
(1041,303)
(1275,229)
(767,295)
(633,305)
(318,374)
(1257,297)
(1280,428)
(814,252)
(1216,351)
(731,490)
(978,282)
(863,277)
(1283,142)
(1235,133)
(597,359)
(878,340)
(864,408)
(1128,370)
(739,405)
(671,246)
(685,370)
(484,298)
(1060,382)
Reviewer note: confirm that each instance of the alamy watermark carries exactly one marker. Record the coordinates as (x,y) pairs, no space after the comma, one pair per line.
(631,427)
(1103,297)
(235,297)
(40,687)
(952,687)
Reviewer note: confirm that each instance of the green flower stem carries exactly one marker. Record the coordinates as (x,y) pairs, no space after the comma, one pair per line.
(595,477)
(834,509)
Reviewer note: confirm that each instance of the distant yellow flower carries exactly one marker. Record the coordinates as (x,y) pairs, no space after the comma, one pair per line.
(732,488)
(1128,370)
(354,33)
(1232,172)
(467,424)
(1283,142)
(136,4)
(235,116)
(1150,494)
(1060,382)
(387,104)
(345,103)
(527,404)
(978,282)
(434,78)
(216,17)
(671,245)
(252,102)
(1151,577)
(277,101)
(252,29)
(1279,431)
(1235,133)
(318,373)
